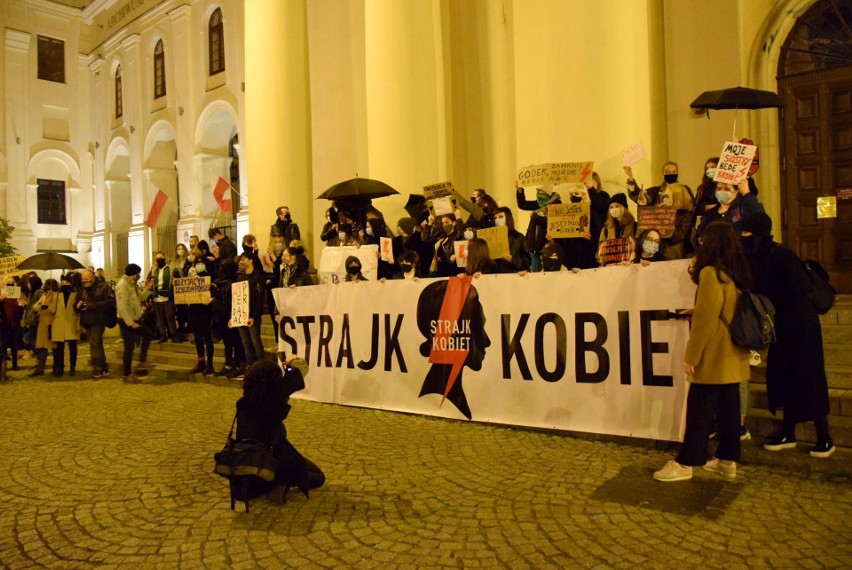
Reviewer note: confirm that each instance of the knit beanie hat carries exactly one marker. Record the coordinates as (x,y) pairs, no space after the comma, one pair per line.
(620,198)
(132,269)
(758,224)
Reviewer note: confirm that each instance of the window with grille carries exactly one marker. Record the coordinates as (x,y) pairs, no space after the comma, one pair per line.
(216,42)
(51,59)
(159,71)
(119,102)
(51,201)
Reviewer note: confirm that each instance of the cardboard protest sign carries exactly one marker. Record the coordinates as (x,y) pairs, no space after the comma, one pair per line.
(569,220)
(191,290)
(660,218)
(535,174)
(565,172)
(497,240)
(9,264)
(386,249)
(439,198)
(460,251)
(439,190)
(734,162)
(331,268)
(239,304)
(12,292)
(633,154)
(616,251)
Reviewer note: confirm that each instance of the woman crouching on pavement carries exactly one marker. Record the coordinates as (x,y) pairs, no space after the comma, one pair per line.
(260,416)
(714,365)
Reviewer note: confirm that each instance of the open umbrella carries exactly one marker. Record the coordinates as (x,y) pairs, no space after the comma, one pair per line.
(48,261)
(737,98)
(364,188)
(416,205)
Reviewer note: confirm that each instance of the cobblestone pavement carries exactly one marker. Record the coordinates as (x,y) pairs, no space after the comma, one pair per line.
(105,474)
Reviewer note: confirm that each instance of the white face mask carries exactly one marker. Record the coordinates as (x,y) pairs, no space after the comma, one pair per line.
(369,232)
(616,211)
(724,197)
(468,235)
(341,236)
(200,268)
(499,222)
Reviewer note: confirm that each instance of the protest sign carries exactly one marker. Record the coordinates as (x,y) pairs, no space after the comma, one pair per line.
(386,249)
(439,198)
(569,220)
(616,251)
(439,190)
(460,251)
(331,268)
(633,154)
(565,172)
(12,292)
(534,174)
(8,265)
(660,218)
(497,239)
(734,162)
(267,262)
(191,290)
(844,193)
(239,304)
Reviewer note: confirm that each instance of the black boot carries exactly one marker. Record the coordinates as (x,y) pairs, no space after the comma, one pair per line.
(199,368)
(41,360)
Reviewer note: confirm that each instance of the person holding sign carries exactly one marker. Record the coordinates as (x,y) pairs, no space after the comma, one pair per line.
(375,229)
(235,356)
(129,308)
(537,229)
(478,259)
(250,271)
(444,234)
(620,225)
(735,203)
(13,311)
(200,318)
(518,258)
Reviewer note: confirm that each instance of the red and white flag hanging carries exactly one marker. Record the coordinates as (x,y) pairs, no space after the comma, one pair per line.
(220,190)
(156,208)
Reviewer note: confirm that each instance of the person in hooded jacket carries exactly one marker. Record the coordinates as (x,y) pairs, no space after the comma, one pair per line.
(353,270)
(518,258)
(552,257)
(795,368)
(66,326)
(329,229)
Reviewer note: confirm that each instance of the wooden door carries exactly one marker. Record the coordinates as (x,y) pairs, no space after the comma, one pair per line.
(816,151)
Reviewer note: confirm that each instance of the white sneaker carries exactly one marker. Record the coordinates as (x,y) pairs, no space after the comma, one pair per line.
(727,469)
(673,471)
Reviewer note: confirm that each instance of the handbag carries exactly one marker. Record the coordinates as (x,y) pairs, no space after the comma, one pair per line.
(245,458)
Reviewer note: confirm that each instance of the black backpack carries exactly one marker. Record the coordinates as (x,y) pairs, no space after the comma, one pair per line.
(820,291)
(753,325)
(111,310)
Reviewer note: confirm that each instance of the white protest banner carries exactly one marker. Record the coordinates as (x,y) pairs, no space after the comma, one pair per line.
(239,304)
(460,251)
(191,290)
(386,249)
(592,352)
(12,292)
(734,162)
(565,172)
(633,154)
(332,269)
(497,239)
(8,265)
(569,220)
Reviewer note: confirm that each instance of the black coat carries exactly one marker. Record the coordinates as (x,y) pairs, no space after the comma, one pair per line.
(97,304)
(795,371)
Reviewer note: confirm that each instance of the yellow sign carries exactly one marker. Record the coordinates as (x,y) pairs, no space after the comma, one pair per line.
(191,290)
(497,239)
(9,264)
(568,220)
(826,207)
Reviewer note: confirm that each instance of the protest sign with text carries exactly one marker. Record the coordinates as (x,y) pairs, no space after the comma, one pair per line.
(12,292)
(497,239)
(439,198)
(633,154)
(191,290)
(734,162)
(616,250)
(569,220)
(239,304)
(8,265)
(332,268)
(565,172)
(660,218)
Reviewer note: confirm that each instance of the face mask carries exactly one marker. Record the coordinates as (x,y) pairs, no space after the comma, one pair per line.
(468,235)
(710,173)
(650,247)
(181,253)
(448,229)
(215,241)
(341,236)
(247,249)
(287,217)
(748,242)
(161,263)
(200,268)
(616,212)
(670,178)
(369,232)
(576,199)
(499,222)
(406,267)
(551,263)
(473,199)
(242,267)
(723,197)
(66,288)
(278,247)
(353,269)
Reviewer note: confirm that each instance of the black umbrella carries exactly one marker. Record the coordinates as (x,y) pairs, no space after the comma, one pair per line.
(48,261)
(737,98)
(416,205)
(364,188)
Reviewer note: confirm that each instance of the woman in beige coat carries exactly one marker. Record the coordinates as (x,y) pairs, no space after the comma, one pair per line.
(66,326)
(46,309)
(713,364)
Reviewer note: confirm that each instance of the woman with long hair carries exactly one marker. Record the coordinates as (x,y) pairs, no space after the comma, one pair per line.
(479,258)
(46,309)
(714,365)
(66,325)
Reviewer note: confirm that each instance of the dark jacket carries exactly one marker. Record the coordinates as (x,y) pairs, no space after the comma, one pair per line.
(98,302)
(288,230)
(256,294)
(227,248)
(741,208)
(519,252)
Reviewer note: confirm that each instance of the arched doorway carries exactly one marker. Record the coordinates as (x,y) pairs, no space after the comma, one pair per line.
(815,82)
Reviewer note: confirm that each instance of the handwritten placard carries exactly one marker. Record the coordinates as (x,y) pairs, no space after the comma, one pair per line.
(442,206)
(497,239)
(460,251)
(660,218)
(191,290)
(633,154)
(555,173)
(439,190)
(734,162)
(12,292)
(8,265)
(386,249)
(239,304)
(533,175)
(616,251)
(844,193)
(569,220)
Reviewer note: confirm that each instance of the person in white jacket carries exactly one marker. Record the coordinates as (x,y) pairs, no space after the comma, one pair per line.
(129,308)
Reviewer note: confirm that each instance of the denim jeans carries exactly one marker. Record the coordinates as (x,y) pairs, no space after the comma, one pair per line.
(252,343)
(128,337)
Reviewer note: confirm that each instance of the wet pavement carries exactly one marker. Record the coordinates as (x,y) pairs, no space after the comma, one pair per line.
(105,474)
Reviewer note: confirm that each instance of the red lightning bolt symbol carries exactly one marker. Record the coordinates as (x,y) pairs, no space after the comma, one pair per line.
(451,308)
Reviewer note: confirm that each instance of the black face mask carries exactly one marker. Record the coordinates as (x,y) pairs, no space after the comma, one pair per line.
(161,263)
(749,242)
(248,249)
(353,269)
(406,267)
(670,178)
(287,217)
(576,199)
(66,288)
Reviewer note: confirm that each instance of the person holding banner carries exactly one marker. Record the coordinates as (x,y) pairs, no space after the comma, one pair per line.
(714,365)
(13,311)
(129,308)
(353,270)
(735,203)
(518,258)
(619,225)
(234,353)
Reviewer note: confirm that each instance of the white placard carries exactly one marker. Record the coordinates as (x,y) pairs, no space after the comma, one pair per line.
(239,304)
(460,251)
(386,249)
(331,267)
(734,162)
(633,154)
